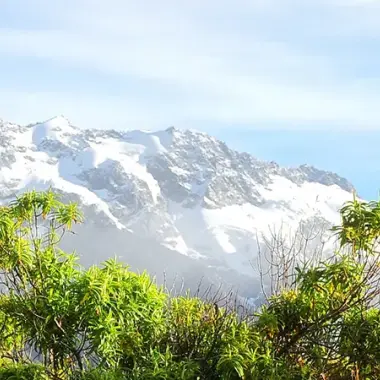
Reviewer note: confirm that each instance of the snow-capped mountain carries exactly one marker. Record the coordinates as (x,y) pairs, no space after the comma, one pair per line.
(174,200)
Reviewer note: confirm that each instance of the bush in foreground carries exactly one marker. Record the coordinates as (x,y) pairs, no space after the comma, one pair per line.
(60,321)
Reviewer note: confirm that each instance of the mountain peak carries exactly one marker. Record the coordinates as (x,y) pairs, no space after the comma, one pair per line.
(171,129)
(59,121)
(55,128)
(180,189)
(199,154)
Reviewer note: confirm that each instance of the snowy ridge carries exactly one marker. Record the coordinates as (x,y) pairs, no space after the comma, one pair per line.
(181,189)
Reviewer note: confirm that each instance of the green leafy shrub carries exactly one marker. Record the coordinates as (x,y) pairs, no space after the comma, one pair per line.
(97,374)
(23,372)
(59,321)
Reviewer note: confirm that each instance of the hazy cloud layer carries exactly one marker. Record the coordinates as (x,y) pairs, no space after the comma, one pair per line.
(286,63)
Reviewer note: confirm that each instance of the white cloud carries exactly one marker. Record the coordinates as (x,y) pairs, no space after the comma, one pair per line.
(218,56)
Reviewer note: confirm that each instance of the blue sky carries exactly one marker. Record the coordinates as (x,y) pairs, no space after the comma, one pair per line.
(296,81)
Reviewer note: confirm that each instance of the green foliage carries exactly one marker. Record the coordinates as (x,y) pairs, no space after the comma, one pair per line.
(59,321)
(123,313)
(97,374)
(360,226)
(23,372)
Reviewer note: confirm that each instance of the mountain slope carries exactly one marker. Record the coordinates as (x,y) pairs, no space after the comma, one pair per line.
(181,192)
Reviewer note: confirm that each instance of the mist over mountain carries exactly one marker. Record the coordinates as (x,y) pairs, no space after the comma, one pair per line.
(178,203)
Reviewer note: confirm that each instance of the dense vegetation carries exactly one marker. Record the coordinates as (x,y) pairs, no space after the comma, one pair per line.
(60,321)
